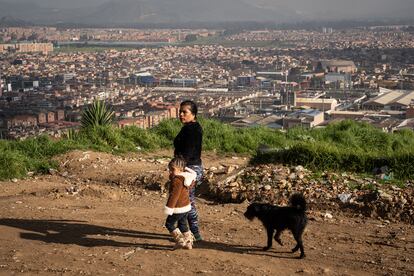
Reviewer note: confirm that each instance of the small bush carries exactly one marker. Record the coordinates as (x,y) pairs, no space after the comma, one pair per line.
(12,165)
(167,129)
(146,140)
(107,139)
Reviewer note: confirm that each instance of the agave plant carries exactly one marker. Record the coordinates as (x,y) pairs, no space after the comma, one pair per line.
(97,114)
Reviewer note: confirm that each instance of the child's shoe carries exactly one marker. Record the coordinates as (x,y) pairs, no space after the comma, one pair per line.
(188,240)
(178,238)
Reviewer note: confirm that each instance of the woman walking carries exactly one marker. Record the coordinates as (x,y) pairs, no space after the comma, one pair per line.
(187,144)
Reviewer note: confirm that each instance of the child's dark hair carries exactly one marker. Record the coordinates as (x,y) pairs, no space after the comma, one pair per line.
(177,162)
(192,105)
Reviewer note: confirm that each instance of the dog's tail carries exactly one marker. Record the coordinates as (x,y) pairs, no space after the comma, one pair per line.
(298,201)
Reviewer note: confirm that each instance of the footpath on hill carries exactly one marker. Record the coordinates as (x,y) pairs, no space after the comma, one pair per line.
(102,214)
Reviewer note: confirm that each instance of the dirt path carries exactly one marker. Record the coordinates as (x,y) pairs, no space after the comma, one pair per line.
(48,228)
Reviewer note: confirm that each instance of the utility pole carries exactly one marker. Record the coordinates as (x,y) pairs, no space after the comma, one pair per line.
(323,102)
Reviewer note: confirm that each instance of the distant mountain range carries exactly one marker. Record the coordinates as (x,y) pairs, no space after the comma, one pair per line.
(142,11)
(134,11)
(6,21)
(116,12)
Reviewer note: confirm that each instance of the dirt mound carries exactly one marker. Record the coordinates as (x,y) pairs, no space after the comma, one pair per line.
(131,171)
(99,192)
(229,179)
(329,191)
(86,190)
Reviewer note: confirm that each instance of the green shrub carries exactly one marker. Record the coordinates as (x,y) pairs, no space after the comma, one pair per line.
(12,164)
(345,146)
(167,129)
(145,139)
(107,139)
(43,147)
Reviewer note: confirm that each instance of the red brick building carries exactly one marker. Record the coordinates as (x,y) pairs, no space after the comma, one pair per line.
(50,116)
(410,111)
(21,121)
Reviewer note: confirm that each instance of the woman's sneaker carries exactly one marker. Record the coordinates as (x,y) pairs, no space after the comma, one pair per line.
(197,237)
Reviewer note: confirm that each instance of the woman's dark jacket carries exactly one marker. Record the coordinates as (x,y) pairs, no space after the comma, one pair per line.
(188,143)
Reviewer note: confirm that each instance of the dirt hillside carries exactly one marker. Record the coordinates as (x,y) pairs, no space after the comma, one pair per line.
(99,215)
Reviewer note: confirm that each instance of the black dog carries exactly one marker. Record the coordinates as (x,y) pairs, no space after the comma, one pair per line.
(277,218)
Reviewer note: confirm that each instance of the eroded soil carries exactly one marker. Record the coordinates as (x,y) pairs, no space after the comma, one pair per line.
(81,220)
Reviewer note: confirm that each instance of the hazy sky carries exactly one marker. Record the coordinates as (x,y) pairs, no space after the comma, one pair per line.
(308,9)
(60,3)
(352,8)
(367,6)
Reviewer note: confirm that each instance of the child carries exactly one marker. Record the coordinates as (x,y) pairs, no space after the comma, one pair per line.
(178,204)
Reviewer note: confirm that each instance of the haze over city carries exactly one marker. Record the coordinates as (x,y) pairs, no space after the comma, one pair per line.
(161,11)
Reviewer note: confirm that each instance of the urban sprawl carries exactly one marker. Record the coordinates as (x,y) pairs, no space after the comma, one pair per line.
(296,78)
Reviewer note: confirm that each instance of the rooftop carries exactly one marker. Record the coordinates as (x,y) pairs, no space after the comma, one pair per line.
(398,97)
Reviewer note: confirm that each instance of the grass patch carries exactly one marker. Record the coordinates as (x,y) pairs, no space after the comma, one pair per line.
(392,182)
(345,146)
(354,185)
(89,49)
(221,40)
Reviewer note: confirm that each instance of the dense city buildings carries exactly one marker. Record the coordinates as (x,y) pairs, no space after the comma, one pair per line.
(52,34)
(305,78)
(26,48)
